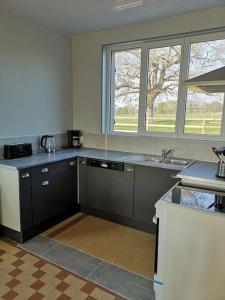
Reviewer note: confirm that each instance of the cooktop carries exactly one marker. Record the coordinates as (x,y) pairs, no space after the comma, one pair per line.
(208,200)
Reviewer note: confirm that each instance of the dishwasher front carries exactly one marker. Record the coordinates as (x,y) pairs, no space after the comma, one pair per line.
(106,186)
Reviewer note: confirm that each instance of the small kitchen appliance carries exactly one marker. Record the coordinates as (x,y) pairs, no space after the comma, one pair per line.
(48,143)
(221,164)
(74,138)
(17,150)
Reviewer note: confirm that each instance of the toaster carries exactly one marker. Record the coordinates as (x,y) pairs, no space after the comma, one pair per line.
(17,150)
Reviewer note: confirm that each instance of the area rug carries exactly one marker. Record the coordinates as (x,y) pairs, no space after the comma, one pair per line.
(126,247)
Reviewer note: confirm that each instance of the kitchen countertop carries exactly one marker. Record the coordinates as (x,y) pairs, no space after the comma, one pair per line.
(202,174)
(44,158)
(196,198)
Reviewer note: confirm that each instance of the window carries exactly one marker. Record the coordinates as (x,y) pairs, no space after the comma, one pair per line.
(204,112)
(126,89)
(162,92)
(145,92)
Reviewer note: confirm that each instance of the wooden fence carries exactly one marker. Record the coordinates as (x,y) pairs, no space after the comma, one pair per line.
(150,123)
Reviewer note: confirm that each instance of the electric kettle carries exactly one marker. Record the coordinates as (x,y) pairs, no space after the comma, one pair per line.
(48,143)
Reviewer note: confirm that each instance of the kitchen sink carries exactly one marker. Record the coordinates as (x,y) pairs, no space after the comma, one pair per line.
(156,159)
(142,157)
(176,162)
(153,159)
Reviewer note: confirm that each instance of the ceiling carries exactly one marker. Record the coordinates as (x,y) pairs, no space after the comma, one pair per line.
(72,17)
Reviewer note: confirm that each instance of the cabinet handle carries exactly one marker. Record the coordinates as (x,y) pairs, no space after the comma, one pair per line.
(130,169)
(83,162)
(72,163)
(25,175)
(104,165)
(44,183)
(44,170)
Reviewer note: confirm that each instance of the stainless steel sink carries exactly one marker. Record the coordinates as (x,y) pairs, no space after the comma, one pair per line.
(132,158)
(155,159)
(175,161)
(142,157)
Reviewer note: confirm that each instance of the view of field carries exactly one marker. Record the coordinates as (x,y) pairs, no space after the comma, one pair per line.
(203,113)
(165,123)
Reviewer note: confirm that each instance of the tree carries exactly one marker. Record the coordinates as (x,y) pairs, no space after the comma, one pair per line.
(163,75)
(164,71)
(127,78)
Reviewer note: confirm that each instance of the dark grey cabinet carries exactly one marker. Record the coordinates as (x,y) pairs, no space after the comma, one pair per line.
(43,207)
(47,192)
(107,190)
(54,190)
(26,219)
(126,194)
(126,197)
(150,185)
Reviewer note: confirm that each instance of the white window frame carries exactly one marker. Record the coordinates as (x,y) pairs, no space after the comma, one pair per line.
(108,86)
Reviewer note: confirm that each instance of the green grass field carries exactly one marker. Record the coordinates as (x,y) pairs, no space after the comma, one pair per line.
(197,125)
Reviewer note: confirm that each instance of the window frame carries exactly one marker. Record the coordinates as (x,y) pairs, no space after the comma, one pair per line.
(210,137)
(145,45)
(112,87)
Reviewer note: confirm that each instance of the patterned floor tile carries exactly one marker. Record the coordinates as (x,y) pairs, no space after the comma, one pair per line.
(101,295)
(26,276)
(10,295)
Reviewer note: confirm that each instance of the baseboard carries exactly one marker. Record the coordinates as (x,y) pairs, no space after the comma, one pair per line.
(27,235)
(22,237)
(11,234)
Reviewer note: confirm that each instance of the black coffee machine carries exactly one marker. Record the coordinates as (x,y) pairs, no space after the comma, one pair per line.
(74,138)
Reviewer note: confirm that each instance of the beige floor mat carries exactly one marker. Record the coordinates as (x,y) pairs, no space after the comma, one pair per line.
(121,245)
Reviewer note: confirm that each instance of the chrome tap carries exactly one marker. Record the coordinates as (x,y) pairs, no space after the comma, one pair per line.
(166,152)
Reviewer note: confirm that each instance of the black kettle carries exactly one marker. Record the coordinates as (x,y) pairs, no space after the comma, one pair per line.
(48,143)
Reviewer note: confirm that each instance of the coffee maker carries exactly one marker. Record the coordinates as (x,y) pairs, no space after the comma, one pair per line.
(74,138)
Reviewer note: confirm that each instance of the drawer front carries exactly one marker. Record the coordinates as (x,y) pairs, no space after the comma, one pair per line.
(63,165)
(47,170)
(42,171)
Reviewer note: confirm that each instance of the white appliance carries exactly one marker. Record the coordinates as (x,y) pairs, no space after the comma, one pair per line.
(190,255)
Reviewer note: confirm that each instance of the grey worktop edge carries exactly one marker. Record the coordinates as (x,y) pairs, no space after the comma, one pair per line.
(84,152)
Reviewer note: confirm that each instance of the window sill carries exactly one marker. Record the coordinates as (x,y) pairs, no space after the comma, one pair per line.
(205,138)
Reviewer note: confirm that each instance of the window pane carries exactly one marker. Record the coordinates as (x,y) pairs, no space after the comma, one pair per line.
(204,111)
(162,93)
(127,86)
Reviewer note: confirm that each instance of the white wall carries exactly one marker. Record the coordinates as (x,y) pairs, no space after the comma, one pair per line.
(87,61)
(35,78)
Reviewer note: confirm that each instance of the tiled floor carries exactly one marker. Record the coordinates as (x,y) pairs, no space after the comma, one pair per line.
(26,276)
(127,284)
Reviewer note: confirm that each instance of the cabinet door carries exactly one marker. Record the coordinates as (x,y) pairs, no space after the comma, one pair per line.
(150,185)
(25,199)
(64,185)
(43,206)
(55,193)
(107,190)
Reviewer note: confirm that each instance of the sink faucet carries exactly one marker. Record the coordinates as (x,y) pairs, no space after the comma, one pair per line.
(166,152)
